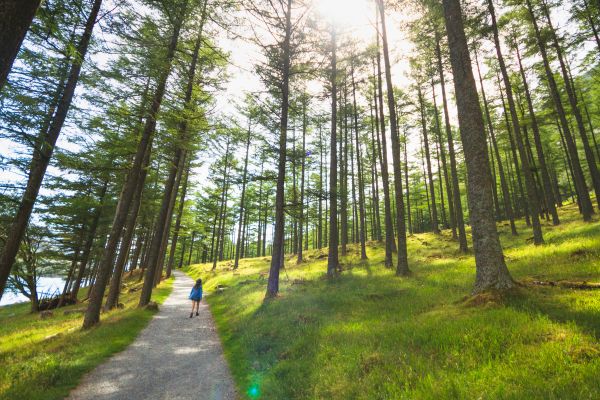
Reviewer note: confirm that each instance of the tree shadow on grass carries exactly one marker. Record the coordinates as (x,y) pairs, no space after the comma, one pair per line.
(547,301)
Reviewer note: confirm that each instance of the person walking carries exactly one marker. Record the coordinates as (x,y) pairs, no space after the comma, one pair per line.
(195,297)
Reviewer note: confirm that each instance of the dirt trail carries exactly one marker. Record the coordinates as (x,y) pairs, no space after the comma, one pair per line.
(174,357)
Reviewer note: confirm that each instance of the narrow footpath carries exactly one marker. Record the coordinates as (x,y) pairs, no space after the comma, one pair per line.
(174,357)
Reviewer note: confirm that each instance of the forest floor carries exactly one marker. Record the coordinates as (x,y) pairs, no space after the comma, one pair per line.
(175,357)
(371,335)
(46,358)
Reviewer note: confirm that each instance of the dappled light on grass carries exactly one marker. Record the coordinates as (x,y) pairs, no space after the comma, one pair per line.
(44,359)
(370,335)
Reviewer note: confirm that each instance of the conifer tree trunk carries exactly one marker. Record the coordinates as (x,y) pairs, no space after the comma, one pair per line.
(15,19)
(115,281)
(278,242)
(260,210)
(89,241)
(332,258)
(533,201)
(167,226)
(177,228)
(361,186)
(402,262)
(520,201)
(457,201)
(302,173)
(589,154)
(442,155)
(434,216)
(550,200)
(242,209)
(390,242)
(321,192)
(491,271)
(503,183)
(343,167)
(221,216)
(92,315)
(410,225)
(42,153)
(375,153)
(189,262)
(580,186)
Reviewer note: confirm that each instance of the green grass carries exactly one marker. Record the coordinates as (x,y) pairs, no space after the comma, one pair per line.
(45,359)
(371,335)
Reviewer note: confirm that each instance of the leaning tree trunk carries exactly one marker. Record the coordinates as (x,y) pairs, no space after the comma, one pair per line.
(583,195)
(575,110)
(503,183)
(168,222)
(178,223)
(115,281)
(92,315)
(550,200)
(491,271)
(532,197)
(43,153)
(15,18)
(89,241)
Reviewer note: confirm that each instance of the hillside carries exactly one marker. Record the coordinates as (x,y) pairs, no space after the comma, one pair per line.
(371,335)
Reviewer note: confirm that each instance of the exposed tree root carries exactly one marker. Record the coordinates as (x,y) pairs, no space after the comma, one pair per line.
(567,284)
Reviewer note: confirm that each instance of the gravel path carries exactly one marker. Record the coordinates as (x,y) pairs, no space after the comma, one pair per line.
(174,357)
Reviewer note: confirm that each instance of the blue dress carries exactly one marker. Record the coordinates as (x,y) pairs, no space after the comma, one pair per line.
(196,294)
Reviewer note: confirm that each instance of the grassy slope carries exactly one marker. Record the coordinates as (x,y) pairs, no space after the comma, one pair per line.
(371,335)
(44,359)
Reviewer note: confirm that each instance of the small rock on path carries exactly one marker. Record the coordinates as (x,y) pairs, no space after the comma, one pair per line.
(174,357)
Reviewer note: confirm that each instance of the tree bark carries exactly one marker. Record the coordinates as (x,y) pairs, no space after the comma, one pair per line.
(15,19)
(332,258)
(571,95)
(550,200)
(278,240)
(242,209)
(302,178)
(585,202)
(390,241)
(402,261)
(361,185)
(458,210)
(434,215)
(508,210)
(533,201)
(491,271)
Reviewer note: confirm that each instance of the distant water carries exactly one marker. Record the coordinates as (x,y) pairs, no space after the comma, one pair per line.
(45,284)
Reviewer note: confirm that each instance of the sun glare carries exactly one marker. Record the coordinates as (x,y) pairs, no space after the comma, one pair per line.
(345,13)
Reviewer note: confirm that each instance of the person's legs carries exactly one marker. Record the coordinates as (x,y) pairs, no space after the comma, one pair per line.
(193,305)
(197,307)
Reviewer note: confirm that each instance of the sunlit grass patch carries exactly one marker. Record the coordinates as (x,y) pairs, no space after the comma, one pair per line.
(45,358)
(371,335)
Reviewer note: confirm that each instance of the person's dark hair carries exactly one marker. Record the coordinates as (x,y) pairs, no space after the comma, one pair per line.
(198,284)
